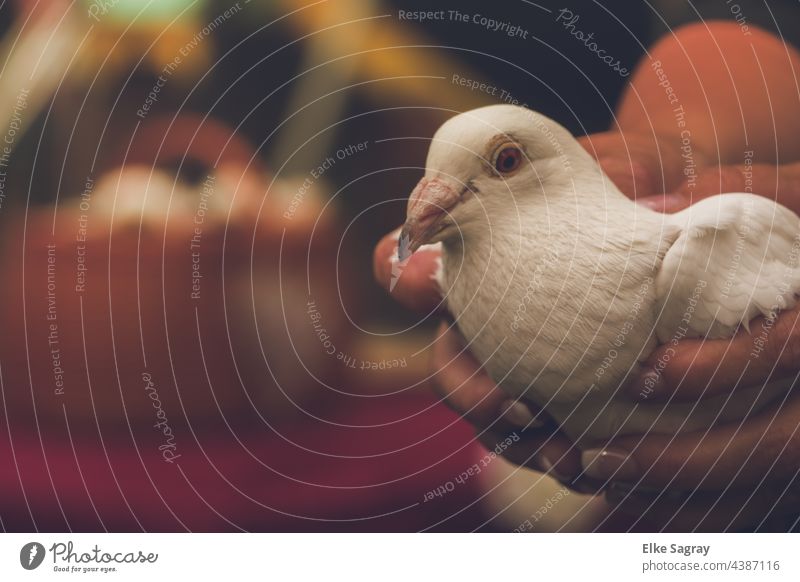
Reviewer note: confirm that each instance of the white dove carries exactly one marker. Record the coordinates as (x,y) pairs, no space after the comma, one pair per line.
(562,285)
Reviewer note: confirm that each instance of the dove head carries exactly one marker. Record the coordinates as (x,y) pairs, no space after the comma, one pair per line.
(482,163)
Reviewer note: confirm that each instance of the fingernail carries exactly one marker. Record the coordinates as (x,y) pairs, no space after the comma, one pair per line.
(666,203)
(648,385)
(518,414)
(609,464)
(549,467)
(652,202)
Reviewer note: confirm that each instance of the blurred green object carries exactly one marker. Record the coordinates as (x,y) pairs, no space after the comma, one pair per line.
(154,11)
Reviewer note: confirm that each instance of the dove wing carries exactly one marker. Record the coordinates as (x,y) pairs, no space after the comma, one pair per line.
(736,257)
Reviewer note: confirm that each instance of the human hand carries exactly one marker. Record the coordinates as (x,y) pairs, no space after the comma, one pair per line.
(739,474)
(776,182)
(641,165)
(733,476)
(468,390)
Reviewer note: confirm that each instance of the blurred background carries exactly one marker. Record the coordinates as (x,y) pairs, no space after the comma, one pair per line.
(190,191)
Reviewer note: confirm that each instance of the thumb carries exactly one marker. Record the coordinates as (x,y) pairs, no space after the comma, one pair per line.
(412,282)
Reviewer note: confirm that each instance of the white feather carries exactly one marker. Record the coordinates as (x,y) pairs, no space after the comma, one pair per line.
(736,259)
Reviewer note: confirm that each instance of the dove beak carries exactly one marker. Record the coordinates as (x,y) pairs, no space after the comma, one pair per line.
(427,207)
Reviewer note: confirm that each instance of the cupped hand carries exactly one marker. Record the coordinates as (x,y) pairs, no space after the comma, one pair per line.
(779,183)
(467,388)
(732,476)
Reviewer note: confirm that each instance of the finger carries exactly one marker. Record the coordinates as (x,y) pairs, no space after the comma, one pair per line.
(666,203)
(631,161)
(765,447)
(632,177)
(415,286)
(776,182)
(690,370)
(545,450)
(779,183)
(468,389)
(731,510)
(707,183)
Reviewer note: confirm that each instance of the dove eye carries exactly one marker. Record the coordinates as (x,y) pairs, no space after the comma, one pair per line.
(509,158)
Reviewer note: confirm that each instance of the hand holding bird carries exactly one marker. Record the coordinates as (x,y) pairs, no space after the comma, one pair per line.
(697,369)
